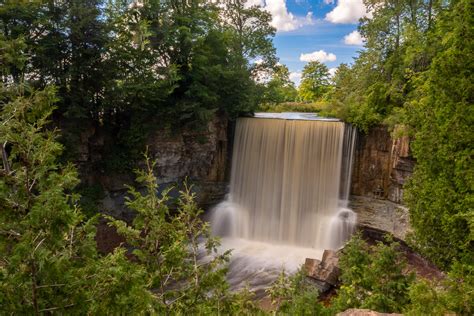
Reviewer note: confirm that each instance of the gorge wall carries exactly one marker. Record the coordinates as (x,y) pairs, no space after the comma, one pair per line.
(200,156)
(382,166)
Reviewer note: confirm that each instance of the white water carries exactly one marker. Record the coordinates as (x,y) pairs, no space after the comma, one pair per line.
(288,195)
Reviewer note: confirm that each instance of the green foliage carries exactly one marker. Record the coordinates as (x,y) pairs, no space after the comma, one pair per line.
(182,270)
(441,117)
(49,261)
(294,295)
(455,294)
(122,67)
(416,73)
(314,82)
(279,89)
(372,277)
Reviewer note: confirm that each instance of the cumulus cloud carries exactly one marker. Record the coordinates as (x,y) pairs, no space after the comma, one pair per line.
(282,19)
(320,56)
(347,11)
(295,77)
(354,38)
(251,3)
(332,71)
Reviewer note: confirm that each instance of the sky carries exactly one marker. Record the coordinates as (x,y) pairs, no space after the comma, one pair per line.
(308,30)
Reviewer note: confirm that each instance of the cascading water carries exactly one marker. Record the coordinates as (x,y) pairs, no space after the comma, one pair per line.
(289,188)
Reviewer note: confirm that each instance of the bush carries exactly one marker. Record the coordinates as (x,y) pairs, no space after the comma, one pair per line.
(373,277)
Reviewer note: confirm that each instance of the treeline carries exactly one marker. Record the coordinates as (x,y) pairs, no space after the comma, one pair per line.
(113,59)
(130,65)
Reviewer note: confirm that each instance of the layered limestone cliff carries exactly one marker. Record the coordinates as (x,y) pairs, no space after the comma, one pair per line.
(201,157)
(382,166)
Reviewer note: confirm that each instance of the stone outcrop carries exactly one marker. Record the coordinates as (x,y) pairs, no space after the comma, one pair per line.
(200,156)
(364,312)
(325,271)
(382,165)
(382,215)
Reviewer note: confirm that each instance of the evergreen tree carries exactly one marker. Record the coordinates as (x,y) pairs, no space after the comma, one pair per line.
(440,192)
(184,272)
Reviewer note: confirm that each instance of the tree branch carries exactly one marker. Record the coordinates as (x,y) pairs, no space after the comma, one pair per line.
(6,166)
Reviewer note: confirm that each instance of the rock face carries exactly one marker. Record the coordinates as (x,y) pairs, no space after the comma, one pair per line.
(325,271)
(382,165)
(364,312)
(199,156)
(382,215)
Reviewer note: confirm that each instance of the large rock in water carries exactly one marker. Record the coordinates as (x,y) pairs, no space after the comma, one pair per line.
(364,312)
(325,271)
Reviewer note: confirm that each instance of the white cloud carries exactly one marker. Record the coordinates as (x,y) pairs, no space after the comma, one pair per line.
(295,77)
(251,3)
(320,56)
(284,20)
(347,11)
(332,71)
(354,38)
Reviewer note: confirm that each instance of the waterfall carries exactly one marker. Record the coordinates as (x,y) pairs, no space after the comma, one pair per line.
(288,194)
(289,183)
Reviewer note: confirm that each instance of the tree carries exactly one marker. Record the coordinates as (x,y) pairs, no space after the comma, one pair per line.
(373,277)
(183,271)
(280,88)
(252,32)
(314,81)
(441,117)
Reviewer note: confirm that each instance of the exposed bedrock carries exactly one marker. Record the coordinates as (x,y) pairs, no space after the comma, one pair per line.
(200,156)
(382,165)
(381,215)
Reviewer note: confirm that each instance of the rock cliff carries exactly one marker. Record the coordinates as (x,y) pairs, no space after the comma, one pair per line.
(382,165)
(200,156)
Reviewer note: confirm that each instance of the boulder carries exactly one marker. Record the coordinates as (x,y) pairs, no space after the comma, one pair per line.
(325,270)
(364,312)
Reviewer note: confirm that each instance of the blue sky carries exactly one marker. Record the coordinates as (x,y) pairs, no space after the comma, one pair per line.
(323,30)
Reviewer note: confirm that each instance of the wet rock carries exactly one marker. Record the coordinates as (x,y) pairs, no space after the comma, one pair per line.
(364,312)
(326,270)
(381,215)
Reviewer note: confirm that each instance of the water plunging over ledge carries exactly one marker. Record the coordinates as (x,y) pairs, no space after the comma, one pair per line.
(288,193)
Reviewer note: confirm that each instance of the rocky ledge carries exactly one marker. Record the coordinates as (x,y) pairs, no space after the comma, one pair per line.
(381,215)
(364,312)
